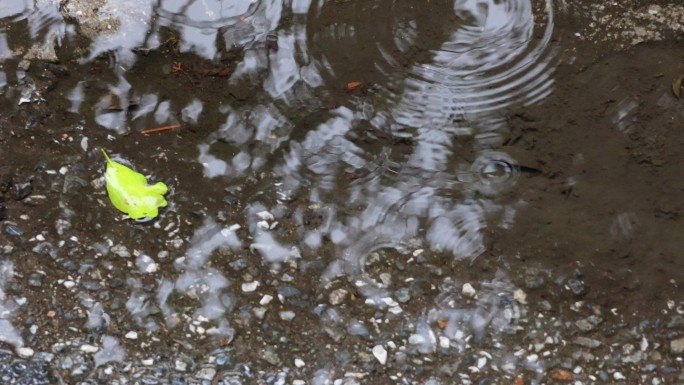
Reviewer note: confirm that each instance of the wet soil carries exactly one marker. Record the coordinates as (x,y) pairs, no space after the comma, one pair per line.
(607,205)
(596,229)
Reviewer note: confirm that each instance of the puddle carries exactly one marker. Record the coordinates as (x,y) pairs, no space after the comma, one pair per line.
(360,192)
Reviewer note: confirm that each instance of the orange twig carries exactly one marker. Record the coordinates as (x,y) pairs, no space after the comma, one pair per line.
(159,129)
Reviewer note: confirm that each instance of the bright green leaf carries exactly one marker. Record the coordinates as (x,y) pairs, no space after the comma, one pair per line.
(130,193)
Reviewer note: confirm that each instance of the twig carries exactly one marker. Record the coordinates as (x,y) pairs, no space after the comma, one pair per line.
(159,129)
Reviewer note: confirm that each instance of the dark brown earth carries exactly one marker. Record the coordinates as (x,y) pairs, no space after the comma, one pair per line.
(608,203)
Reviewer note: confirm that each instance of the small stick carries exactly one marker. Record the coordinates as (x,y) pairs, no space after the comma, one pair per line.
(159,129)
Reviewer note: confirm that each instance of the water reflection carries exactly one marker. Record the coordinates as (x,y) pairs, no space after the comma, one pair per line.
(417,153)
(411,160)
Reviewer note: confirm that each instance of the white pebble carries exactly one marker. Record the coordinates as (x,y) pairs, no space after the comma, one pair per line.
(25,352)
(619,376)
(468,290)
(287,315)
(249,287)
(84,143)
(69,284)
(520,297)
(337,296)
(299,363)
(263,225)
(380,354)
(89,348)
(148,362)
(265,216)
(444,342)
(132,335)
(266,299)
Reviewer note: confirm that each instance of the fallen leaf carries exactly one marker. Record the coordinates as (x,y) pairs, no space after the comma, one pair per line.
(129,192)
(560,374)
(351,86)
(677,87)
(442,323)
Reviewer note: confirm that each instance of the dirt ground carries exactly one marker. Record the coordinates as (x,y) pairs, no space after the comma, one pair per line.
(607,203)
(583,283)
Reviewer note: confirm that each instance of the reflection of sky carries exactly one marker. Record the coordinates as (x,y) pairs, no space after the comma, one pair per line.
(486,64)
(445,107)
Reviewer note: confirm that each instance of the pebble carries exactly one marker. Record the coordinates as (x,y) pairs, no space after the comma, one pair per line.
(87,348)
(23,190)
(25,352)
(576,287)
(337,296)
(121,251)
(249,287)
(468,290)
(14,231)
(299,363)
(287,315)
(271,357)
(589,323)
(560,374)
(180,366)
(587,342)
(132,335)
(266,299)
(403,295)
(36,280)
(520,297)
(206,374)
(677,346)
(380,354)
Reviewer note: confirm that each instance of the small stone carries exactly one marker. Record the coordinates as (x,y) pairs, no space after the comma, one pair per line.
(87,348)
(589,323)
(121,251)
(577,287)
(560,374)
(520,297)
(337,296)
(69,284)
(25,352)
(619,376)
(23,190)
(271,357)
(249,287)
(380,353)
(299,363)
(132,335)
(403,295)
(14,231)
(180,366)
(266,299)
(206,374)
(677,346)
(587,342)
(468,290)
(36,280)
(287,315)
